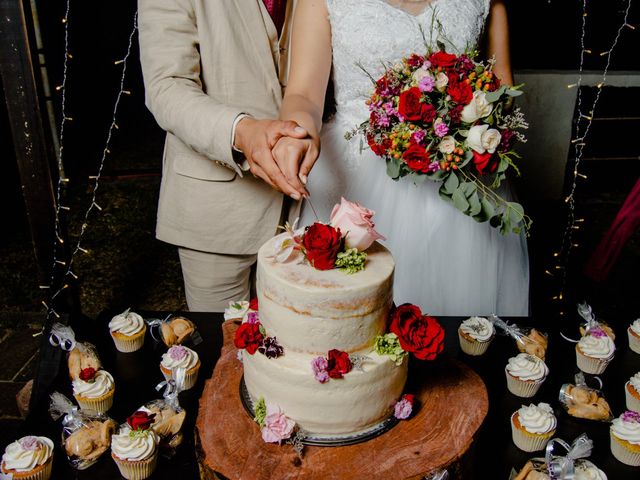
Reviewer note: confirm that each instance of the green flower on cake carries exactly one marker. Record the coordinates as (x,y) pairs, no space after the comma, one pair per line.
(389,345)
(351,260)
(260,410)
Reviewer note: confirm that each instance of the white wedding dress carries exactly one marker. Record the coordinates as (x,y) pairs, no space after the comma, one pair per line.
(446,262)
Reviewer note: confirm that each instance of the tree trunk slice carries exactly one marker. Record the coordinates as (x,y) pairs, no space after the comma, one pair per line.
(451,404)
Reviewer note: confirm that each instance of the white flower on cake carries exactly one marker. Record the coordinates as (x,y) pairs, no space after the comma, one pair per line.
(236,309)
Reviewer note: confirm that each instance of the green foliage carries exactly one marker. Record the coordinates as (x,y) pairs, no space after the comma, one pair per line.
(260,410)
(389,345)
(351,260)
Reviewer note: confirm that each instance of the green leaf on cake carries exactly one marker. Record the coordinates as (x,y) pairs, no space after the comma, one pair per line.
(389,345)
(260,411)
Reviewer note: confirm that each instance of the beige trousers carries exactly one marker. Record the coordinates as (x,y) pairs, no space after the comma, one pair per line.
(212,280)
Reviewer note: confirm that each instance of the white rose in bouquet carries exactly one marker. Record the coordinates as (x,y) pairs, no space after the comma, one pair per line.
(441,81)
(483,139)
(477,108)
(447,145)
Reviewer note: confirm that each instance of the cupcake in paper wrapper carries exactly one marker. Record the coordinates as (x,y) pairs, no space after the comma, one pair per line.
(525,374)
(475,335)
(533,426)
(128,331)
(94,390)
(625,438)
(182,365)
(634,336)
(134,448)
(136,470)
(29,458)
(632,393)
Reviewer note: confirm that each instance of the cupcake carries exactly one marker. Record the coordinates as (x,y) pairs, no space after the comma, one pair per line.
(475,335)
(533,426)
(632,393)
(625,438)
(127,331)
(634,336)
(594,351)
(181,360)
(585,470)
(134,448)
(94,390)
(525,373)
(30,458)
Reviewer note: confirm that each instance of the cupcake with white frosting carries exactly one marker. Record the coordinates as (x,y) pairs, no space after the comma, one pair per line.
(134,448)
(475,335)
(533,426)
(595,351)
(94,390)
(30,458)
(634,336)
(585,470)
(632,393)
(525,373)
(127,330)
(180,362)
(625,438)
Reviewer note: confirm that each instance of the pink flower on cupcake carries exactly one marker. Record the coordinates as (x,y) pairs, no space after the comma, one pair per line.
(355,220)
(277,426)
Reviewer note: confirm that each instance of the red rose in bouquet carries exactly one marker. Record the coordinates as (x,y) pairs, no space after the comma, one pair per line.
(460,91)
(249,337)
(141,420)
(417,158)
(322,243)
(443,59)
(339,363)
(87,374)
(410,106)
(483,162)
(378,148)
(419,334)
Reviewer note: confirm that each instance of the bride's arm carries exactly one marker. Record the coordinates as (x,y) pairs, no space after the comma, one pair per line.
(498,41)
(308,76)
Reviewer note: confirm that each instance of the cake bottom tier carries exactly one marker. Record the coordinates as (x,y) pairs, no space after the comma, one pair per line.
(361,399)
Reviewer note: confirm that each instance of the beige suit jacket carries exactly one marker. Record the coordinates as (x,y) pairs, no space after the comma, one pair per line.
(204,62)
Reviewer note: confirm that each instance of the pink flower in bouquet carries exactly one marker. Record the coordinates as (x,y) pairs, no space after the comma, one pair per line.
(277,426)
(355,220)
(418,136)
(440,128)
(426,83)
(403,407)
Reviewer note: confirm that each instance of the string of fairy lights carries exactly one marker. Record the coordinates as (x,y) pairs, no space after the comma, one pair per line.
(582,128)
(59,242)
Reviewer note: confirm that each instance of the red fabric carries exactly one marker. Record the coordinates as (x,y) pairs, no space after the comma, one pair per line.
(608,250)
(277,10)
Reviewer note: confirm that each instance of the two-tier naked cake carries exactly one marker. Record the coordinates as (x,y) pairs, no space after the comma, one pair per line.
(310,312)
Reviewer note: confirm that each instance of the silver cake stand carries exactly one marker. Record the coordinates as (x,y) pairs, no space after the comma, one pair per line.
(327,440)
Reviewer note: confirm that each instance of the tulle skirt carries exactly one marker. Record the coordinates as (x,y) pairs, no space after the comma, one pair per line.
(446,262)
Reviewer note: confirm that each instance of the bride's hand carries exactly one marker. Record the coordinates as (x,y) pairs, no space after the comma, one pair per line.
(295,158)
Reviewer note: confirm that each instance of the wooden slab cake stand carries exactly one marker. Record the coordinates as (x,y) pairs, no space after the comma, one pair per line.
(452,403)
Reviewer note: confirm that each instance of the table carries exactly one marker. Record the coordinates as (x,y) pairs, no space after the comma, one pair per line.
(137,374)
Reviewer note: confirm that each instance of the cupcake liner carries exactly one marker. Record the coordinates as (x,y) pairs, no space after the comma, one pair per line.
(99,404)
(522,388)
(623,454)
(526,441)
(129,343)
(473,347)
(190,377)
(633,403)
(43,472)
(634,341)
(138,470)
(594,366)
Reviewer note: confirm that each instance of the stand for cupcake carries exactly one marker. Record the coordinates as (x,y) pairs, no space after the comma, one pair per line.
(452,403)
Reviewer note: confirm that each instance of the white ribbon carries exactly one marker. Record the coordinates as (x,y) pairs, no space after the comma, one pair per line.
(154,327)
(513,331)
(171,392)
(63,337)
(563,467)
(437,475)
(61,405)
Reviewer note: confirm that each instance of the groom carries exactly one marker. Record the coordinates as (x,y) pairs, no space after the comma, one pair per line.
(214,73)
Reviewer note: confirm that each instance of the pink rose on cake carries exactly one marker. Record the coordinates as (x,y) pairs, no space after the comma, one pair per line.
(355,220)
(277,426)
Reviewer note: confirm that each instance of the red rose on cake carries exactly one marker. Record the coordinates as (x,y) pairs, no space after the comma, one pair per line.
(249,337)
(322,243)
(419,334)
(339,363)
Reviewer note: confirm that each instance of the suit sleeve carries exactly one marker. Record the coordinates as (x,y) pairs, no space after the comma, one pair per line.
(170,59)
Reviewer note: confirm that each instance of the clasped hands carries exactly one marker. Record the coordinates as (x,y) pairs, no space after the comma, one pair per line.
(279,152)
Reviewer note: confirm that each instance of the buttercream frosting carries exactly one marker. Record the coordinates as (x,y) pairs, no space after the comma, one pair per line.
(588,471)
(635,382)
(27,453)
(179,357)
(597,346)
(101,384)
(627,427)
(478,328)
(134,446)
(527,367)
(635,326)
(127,323)
(236,309)
(537,418)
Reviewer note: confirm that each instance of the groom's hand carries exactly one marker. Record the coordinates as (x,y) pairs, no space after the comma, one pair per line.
(256,138)
(295,158)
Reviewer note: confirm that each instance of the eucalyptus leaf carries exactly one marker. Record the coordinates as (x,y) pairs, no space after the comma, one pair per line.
(443,194)
(460,201)
(468,156)
(514,93)
(503,165)
(451,183)
(418,178)
(468,188)
(393,168)
(516,212)
(486,211)
(496,94)
(475,207)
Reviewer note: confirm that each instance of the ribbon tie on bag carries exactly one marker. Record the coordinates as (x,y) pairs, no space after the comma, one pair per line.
(62,336)
(514,331)
(563,467)
(154,325)
(171,391)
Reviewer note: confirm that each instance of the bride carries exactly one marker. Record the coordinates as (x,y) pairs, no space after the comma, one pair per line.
(446,262)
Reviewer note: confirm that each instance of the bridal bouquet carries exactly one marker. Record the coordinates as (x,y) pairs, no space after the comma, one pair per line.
(442,117)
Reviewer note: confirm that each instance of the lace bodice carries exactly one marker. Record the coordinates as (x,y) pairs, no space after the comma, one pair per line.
(369,33)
